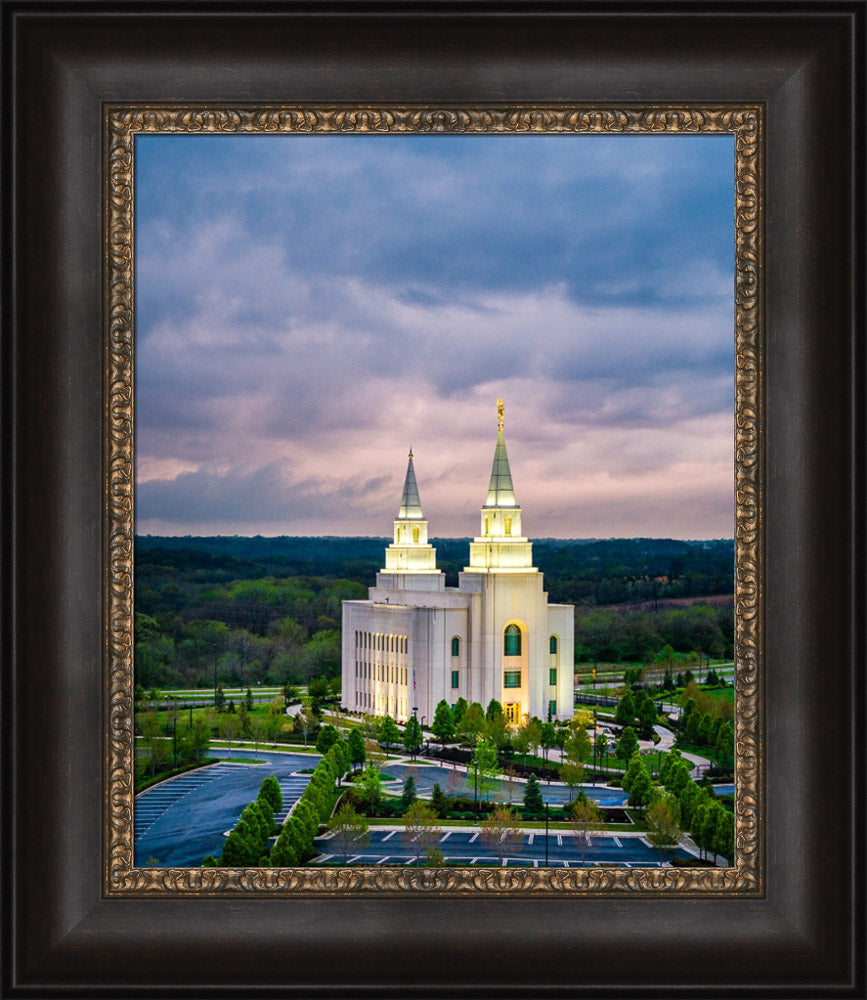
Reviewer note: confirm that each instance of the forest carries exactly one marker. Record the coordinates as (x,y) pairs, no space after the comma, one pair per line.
(250,610)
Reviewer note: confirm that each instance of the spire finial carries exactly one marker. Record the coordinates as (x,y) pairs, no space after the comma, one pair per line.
(500,411)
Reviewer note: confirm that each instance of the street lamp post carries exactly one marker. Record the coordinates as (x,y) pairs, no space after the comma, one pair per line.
(546,834)
(415,733)
(476,785)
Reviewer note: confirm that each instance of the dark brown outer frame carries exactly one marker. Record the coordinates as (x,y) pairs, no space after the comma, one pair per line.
(806,64)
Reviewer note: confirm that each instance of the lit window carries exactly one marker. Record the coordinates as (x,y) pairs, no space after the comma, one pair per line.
(455,678)
(508,524)
(552,644)
(552,676)
(415,532)
(511,678)
(456,646)
(512,641)
(487,525)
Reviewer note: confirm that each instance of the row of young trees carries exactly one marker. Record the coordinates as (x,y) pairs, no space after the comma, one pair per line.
(295,843)
(711,825)
(247,843)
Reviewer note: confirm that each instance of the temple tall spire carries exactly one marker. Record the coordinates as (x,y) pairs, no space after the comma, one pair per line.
(501,492)
(500,545)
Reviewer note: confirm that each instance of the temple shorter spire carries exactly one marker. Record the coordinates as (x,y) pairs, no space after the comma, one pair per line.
(410,503)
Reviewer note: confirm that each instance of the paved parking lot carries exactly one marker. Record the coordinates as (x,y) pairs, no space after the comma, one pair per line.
(464,846)
(426,775)
(182,820)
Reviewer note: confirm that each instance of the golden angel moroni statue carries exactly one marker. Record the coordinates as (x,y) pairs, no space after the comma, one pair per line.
(501,409)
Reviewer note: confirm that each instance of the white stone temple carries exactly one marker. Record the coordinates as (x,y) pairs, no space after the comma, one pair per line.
(414,641)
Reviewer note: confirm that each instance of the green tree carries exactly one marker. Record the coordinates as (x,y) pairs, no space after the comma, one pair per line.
(258,730)
(443,725)
(533,733)
(585,817)
(485,766)
(494,710)
(219,698)
(625,712)
(229,727)
(663,819)
(349,831)
(371,782)
(326,738)
(578,746)
(438,801)
(723,832)
(389,734)
(421,831)
(533,804)
(355,744)
(270,792)
(642,791)
(501,833)
(627,744)
(156,745)
(412,736)
(571,774)
(473,723)
(631,773)
(409,793)
(647,719)
(548,738)
(283,853)
(458,710)
(248,701)
(305,723)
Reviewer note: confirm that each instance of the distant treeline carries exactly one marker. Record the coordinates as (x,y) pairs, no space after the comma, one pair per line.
(250,610)
(579,572)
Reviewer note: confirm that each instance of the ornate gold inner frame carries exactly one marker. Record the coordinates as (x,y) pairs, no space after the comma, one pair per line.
(121,124)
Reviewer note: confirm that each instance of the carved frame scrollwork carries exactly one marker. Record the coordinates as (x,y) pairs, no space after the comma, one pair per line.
(121,124)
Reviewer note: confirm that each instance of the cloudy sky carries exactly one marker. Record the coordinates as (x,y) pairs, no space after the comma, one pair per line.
(308,307)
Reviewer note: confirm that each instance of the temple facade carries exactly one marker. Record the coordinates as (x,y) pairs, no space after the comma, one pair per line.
(414,641)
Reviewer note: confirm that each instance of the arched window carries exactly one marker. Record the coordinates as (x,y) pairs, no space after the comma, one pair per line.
(456,646)
(552,644)
(512,641)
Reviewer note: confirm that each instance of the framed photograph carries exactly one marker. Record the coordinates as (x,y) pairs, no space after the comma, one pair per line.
(779,913)
(333,389)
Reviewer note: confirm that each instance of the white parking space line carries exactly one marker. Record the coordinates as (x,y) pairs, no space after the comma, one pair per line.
(559,839)
(473,838)
(530,838)
(389,835)
(382,861)
(445,837)
(617,841)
